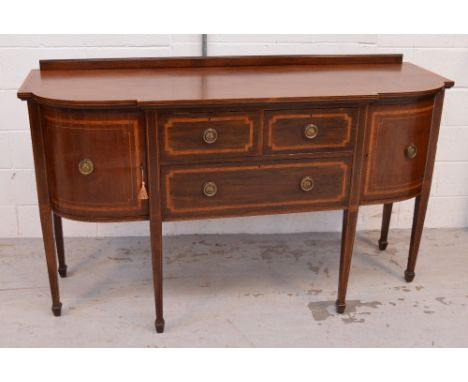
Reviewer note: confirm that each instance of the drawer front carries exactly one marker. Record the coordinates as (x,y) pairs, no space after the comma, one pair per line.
(310,130)
(249,189)
(94,163)
(215,135)
(397,144)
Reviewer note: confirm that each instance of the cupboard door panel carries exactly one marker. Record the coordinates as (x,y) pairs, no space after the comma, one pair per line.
(397,148)
(95,162)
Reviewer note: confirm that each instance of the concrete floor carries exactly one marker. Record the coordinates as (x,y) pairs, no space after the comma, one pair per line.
(239,291)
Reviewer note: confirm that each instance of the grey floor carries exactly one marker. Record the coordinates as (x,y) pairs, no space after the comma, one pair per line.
(239,291)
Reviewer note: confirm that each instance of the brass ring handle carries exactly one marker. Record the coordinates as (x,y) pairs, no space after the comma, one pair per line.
(210,189)
(307,183)
(411,151)
(311,131)
(210,135)
(86,166)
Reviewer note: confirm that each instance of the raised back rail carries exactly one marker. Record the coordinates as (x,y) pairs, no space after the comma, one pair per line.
(206,62)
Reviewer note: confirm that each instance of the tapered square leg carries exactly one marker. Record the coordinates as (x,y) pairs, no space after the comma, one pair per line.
(58,233)
(45,212)
(49,246)
(347,242)
(387,213)
(154,172)
(420,208)
(421,202)
(156,255)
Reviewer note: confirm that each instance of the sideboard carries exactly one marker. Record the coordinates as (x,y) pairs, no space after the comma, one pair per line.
(165,139)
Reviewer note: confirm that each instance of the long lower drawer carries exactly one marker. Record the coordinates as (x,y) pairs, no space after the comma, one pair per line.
(237,190)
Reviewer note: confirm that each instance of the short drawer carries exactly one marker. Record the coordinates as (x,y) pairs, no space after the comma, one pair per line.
(216,135)
(254,188)
(309,130)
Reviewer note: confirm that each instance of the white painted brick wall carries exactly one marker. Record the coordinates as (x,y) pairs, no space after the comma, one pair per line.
(445,54)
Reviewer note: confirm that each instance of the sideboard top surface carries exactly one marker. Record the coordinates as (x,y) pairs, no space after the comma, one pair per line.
(227,80)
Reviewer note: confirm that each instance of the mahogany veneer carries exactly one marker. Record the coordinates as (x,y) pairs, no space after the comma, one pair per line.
(164,139)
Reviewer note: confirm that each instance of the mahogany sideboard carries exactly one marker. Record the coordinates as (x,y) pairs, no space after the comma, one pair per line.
(164,139)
